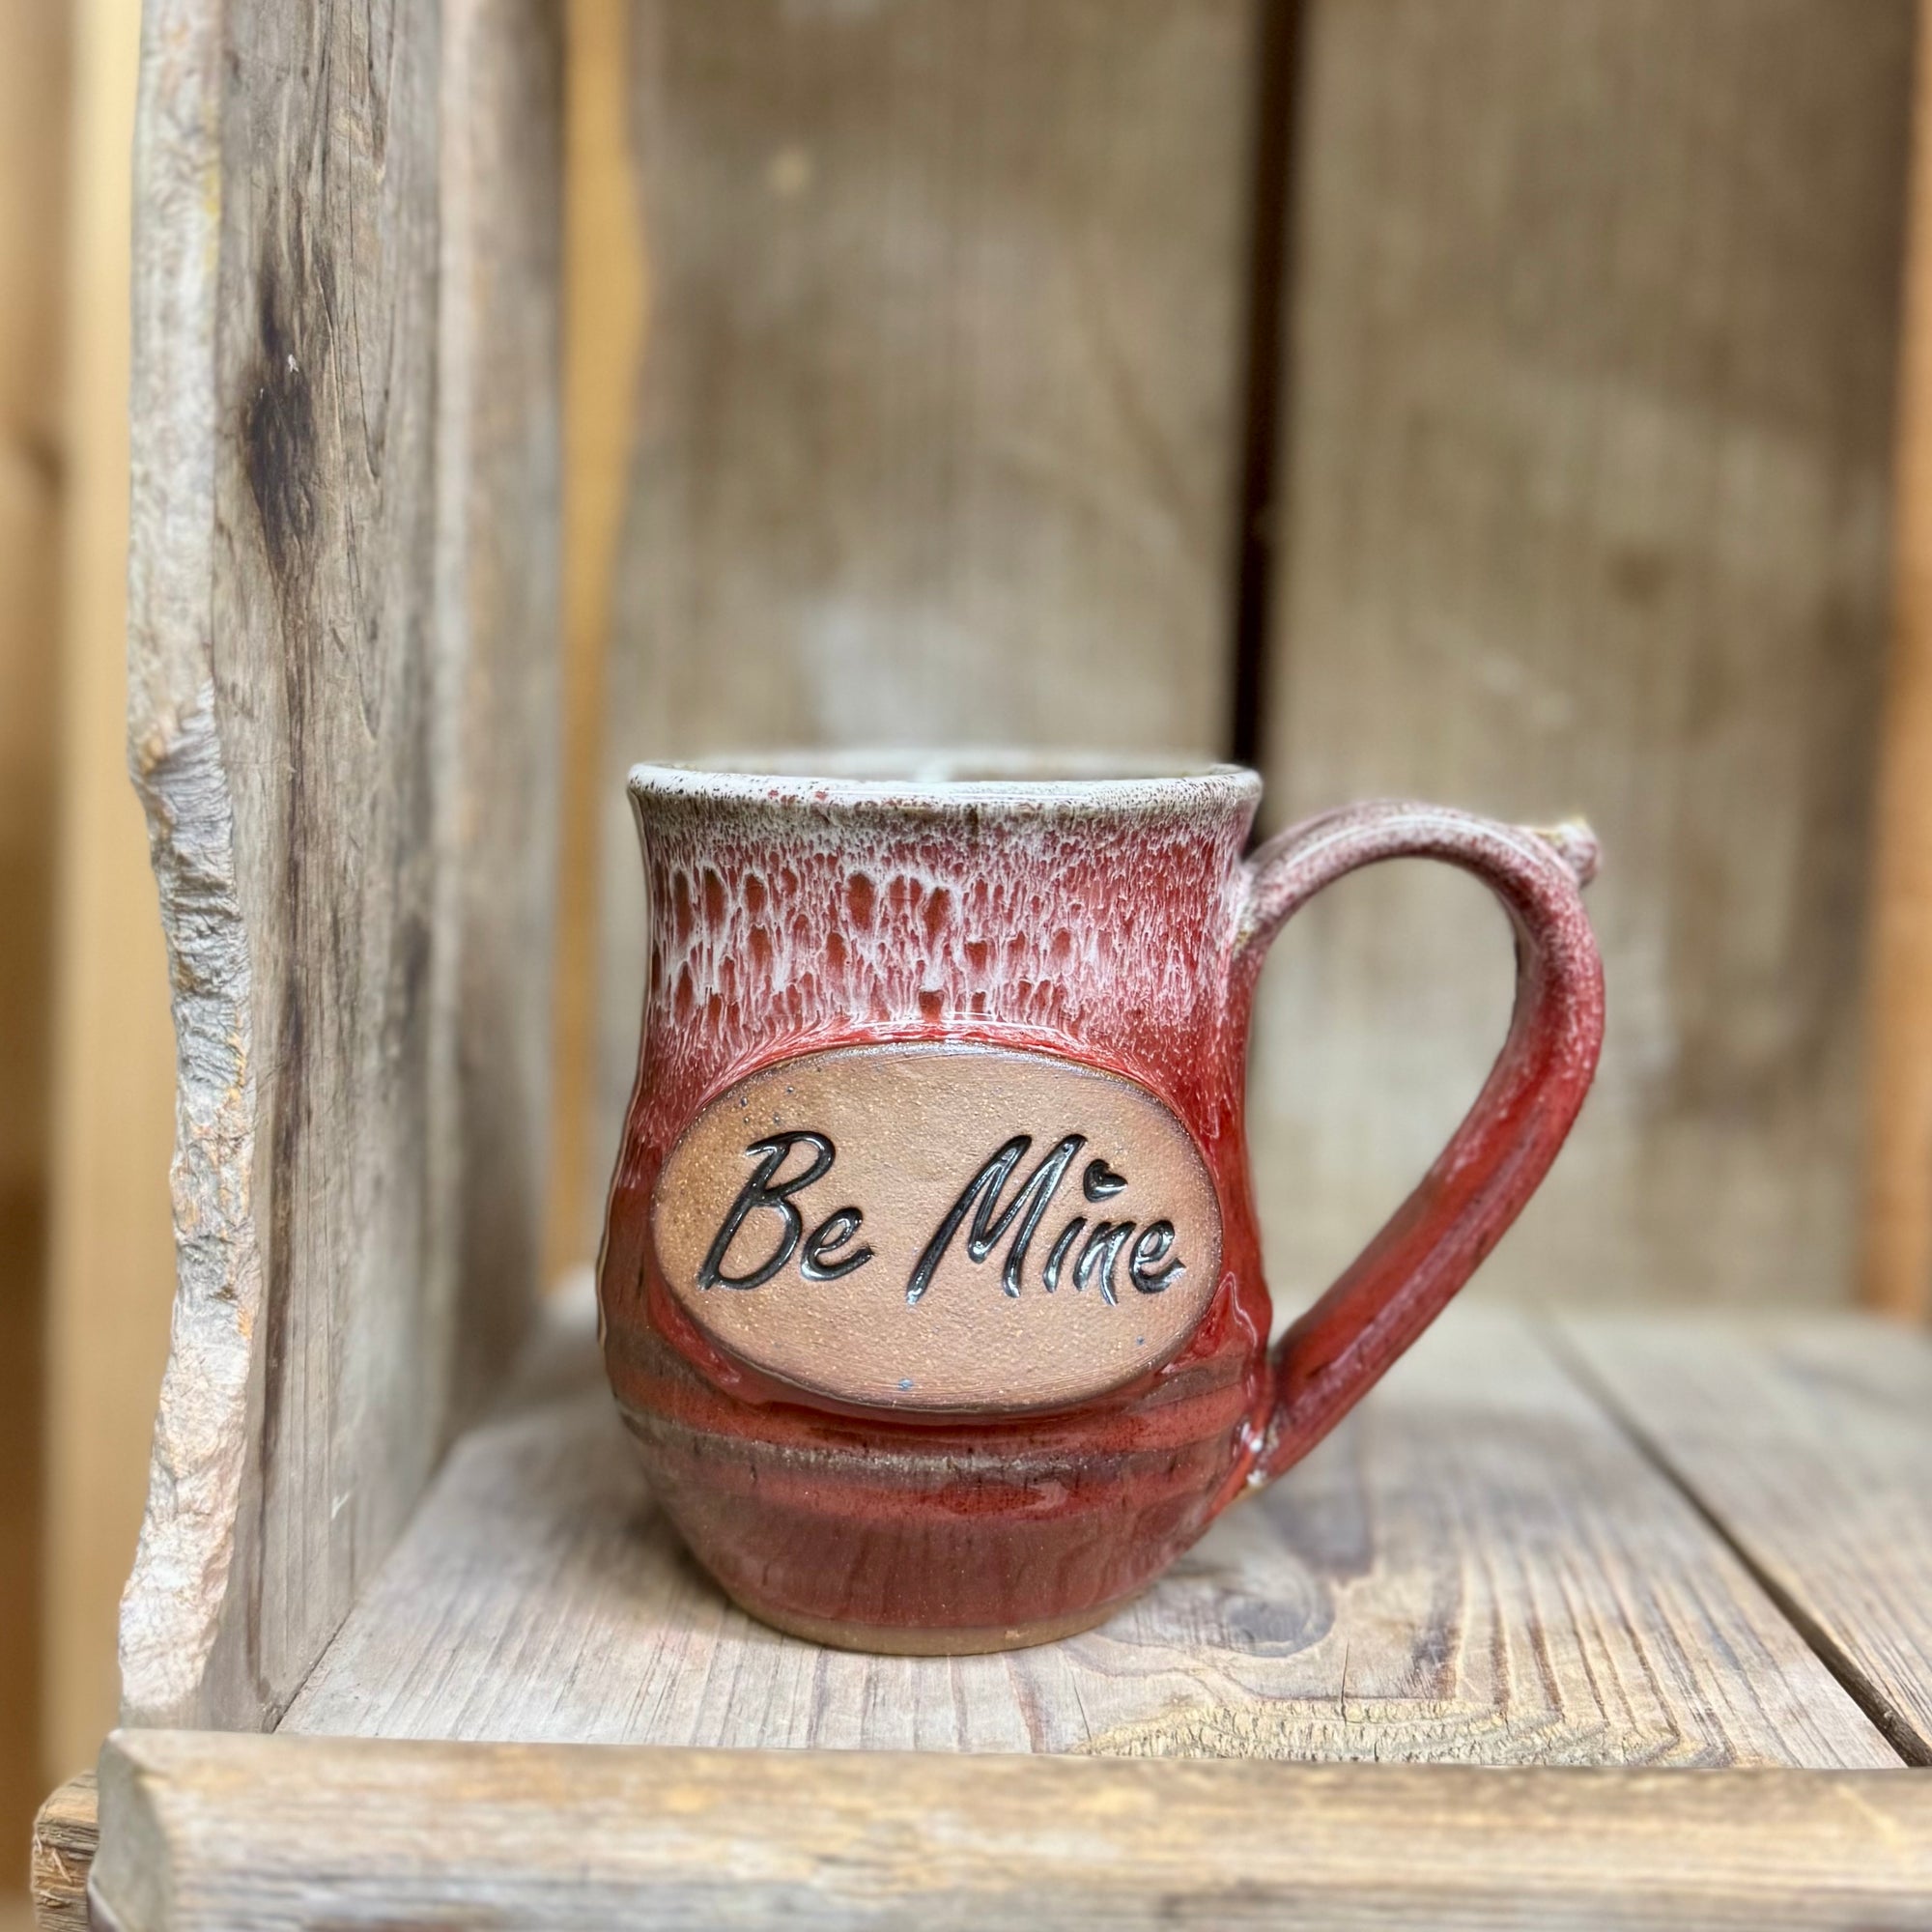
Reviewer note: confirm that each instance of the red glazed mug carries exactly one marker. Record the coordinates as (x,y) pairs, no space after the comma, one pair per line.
(930,1285)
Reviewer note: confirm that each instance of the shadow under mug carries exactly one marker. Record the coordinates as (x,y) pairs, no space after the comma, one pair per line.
(930,1285)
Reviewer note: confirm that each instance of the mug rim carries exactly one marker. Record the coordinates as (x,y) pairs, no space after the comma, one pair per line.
(1045,778)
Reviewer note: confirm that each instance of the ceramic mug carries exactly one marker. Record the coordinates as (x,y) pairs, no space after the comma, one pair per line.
(931,1282)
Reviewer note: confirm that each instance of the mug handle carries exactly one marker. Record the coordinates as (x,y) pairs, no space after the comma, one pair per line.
(1336,1351)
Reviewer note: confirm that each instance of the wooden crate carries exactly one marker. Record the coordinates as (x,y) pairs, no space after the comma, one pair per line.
(953,375)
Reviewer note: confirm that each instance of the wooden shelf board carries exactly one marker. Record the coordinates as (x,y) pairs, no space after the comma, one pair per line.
(1591,1555)
(1808,1439)
(217,1833)
(1480,1568)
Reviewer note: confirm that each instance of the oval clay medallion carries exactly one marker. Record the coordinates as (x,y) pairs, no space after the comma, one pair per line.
(940,1228)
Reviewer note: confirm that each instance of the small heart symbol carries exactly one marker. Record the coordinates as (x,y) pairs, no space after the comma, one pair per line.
(1100,1181)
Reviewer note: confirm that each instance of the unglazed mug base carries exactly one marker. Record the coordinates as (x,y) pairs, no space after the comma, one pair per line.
(930,1286)
(938,1641)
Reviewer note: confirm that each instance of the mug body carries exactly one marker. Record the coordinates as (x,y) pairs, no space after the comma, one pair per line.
(930,1286)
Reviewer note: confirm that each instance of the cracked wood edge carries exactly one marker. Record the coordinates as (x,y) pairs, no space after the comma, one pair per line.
(342,589)
(211,1833)
(173,1600)
(67,1835)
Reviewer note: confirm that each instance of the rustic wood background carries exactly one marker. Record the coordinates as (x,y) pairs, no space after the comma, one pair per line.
(941,395)
(1482,398)
(1571,335)
(1585,510)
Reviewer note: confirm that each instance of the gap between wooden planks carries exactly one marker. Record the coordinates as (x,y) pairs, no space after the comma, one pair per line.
(1806,1442)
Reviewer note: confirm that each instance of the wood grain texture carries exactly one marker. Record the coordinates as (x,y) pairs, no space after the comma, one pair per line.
(939,431)
(1477,1569)
(204,1834)
(1896,1273)
(1810,1441)
(66,1833)
(1586,500)
(342,580)
(296,863)
(499,635)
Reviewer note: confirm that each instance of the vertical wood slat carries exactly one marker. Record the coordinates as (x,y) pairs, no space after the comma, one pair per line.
(110,1266)
(1897,1257)
(34,114)
(605,298)
(1586,501)
(343,698)
(939,426)
(500,464)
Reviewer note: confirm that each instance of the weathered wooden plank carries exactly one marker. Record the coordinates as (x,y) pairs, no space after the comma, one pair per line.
(343,568)
(939,432)
(202,1833)
(280,661)
(66,1833)
(1810,1442)
(1897,1249)
(1585,510)
(500,545)
(1479,1569)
